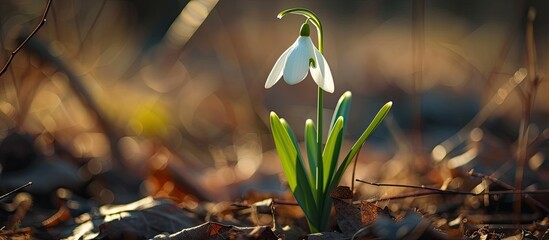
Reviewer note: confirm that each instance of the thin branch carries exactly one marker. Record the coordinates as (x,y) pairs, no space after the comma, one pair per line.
(15,190)
(435,192)
(275,202)
(426,191)
(432,191)
(354,170)
(413,186)
(450,144)
(528,100)
(14,52)
(490,178)
(406,195)
(509,187)
(284,202)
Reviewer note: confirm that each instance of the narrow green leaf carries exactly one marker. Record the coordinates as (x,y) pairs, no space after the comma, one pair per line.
(300,165)
(342,109)
(356,147)
(293,166)
(312,151)
(326,210)
(286,150)
(330,156)
(304,181)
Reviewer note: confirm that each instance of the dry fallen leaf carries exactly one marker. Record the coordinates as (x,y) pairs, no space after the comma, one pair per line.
(348,216)
(217,231)
(138,220)
(412,226)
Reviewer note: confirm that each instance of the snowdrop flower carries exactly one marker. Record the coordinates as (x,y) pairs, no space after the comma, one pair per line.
(298,59)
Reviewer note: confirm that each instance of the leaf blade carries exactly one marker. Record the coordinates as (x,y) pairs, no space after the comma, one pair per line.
(342,109)
(330,156)
(356,147)
(312,150)
(293,166)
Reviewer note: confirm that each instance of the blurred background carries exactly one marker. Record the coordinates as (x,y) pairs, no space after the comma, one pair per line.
(115,100)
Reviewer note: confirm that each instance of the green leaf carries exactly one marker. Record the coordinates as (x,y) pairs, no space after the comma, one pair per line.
(293,166)
(301,164)
(330,156)
(342,109)
(356,147)
(312,149)
(326,210)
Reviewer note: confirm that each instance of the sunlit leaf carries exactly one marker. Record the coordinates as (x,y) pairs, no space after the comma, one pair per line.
(312,148)
(126,221)
(356,147)
(330,156)
(342,109)
(299,162)
(293,166)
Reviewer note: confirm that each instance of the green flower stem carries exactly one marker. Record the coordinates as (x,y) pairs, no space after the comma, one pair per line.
(320,165)
(312,17)
(320,103)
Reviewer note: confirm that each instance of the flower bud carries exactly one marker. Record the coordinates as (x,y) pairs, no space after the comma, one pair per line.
(305,30)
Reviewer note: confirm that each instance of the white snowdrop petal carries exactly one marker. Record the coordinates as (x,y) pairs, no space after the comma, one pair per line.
(322,74)
(297,65)
(276,72)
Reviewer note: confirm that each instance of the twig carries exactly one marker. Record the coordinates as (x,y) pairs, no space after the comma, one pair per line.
(508,186)
(284,202)
(412,186)
(528,99)
(431,191)
(38,26)
(406,195)
(426,191)
(443,149)
(490,178)
(354,170)
(451,143)
(434,192)
(15,190)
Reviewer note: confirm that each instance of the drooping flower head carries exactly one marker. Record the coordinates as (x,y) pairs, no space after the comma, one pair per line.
(298,59)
